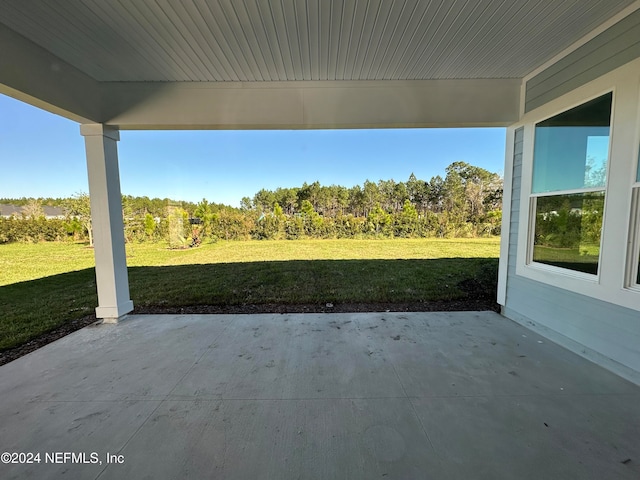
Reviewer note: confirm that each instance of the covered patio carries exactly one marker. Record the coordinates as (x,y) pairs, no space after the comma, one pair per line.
(314,396)
(391,395)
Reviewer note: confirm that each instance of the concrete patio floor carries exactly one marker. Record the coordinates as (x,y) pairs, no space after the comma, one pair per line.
(464,395)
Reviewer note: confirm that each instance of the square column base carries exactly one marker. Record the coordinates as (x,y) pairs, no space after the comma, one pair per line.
(114,314)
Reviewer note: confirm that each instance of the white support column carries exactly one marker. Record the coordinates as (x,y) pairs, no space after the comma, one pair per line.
(108,228)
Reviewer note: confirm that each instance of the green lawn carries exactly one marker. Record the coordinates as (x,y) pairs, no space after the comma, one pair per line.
(45,285)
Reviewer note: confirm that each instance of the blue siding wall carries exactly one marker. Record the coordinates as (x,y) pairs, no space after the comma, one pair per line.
(613,48)
(605,333)
(515,203)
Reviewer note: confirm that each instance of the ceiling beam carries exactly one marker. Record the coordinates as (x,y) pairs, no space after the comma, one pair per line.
(312,104)
(30,73)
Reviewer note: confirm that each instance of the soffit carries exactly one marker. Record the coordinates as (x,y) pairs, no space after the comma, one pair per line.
(289,40)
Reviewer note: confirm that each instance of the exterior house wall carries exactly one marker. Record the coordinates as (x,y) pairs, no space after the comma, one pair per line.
(611,49)
(596,318)
(600,331)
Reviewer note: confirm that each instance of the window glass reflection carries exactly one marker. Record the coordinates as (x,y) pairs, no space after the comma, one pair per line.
(571,150)
(568,230)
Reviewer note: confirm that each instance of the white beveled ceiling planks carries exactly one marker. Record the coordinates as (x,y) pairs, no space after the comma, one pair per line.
(287,40)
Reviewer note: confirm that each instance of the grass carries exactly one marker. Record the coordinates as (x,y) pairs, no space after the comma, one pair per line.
(20,262)
(45,285)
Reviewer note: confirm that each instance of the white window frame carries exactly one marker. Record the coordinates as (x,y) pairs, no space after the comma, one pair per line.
(633,253)
(612,282)
(532,199)
(634,241)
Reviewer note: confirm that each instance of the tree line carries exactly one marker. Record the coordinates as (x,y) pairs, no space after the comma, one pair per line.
(466,202)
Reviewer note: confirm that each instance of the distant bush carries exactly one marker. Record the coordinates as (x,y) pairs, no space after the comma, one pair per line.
(34,230)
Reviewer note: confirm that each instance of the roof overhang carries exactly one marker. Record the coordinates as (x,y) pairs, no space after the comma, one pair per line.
(467,75)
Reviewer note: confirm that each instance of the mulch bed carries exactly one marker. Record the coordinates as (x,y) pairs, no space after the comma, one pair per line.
(11,354)
(441,306)
(477,300)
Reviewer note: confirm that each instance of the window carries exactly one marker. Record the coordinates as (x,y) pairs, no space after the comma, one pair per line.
(570,160)
(635,229)
(637,194)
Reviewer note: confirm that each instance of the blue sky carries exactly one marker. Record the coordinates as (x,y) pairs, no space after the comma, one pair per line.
(42,155)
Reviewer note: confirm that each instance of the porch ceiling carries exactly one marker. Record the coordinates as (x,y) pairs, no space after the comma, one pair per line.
(259,40)
(90,53)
